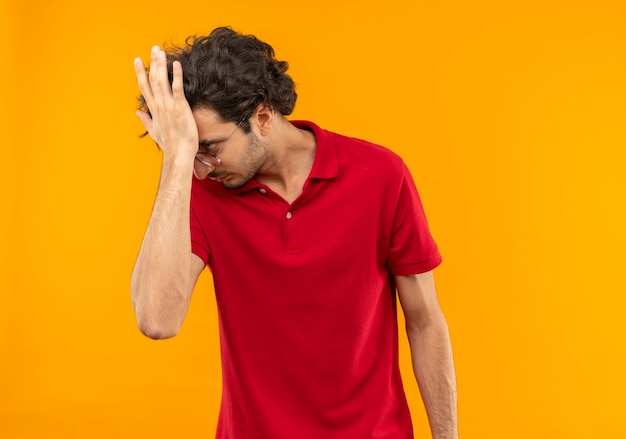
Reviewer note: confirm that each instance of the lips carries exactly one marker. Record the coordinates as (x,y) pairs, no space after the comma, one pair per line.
(218,176)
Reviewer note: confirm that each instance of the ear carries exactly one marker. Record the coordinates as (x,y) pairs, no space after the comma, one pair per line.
(263,117)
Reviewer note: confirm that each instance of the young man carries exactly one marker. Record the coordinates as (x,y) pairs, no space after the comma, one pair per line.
(308,235)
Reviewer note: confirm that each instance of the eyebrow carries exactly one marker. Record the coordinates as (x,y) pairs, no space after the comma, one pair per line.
(208,142)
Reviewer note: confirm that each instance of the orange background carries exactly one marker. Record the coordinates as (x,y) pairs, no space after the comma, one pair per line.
(511,116)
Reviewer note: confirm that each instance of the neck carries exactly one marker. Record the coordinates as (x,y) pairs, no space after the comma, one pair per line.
(290,159)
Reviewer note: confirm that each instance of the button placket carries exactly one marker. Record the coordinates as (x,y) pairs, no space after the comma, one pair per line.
(288,233)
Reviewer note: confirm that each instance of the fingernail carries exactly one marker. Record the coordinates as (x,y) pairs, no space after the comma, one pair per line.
(155,49)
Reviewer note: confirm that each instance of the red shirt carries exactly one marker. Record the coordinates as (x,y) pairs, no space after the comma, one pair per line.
(305,294)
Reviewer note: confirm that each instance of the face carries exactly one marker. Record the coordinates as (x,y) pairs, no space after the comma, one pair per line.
(241,154)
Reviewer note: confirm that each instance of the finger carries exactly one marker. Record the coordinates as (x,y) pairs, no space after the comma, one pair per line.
(154,70)
(164,81)
(162,77)
(177,81)
(142,80)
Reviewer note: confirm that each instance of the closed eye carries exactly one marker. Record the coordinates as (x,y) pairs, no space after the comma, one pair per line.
(207,147)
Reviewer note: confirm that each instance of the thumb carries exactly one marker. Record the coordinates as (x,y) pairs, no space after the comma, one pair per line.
(146,120)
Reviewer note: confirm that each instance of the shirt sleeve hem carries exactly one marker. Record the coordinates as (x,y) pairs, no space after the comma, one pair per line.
(197,250)
(417,268)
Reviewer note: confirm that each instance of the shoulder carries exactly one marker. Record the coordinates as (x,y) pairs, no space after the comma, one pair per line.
(364,150)
(353,152)
(206,194)
(384,166)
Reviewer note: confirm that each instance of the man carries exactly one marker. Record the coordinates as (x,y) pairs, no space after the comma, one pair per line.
(308,235)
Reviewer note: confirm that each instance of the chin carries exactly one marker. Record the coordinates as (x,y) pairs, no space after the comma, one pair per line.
(235,183)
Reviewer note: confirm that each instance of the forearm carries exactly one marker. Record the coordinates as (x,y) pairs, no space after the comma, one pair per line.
(161,286)
(433,365)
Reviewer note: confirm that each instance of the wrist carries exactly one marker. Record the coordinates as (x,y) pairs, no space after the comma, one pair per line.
(180,155)
(177,164)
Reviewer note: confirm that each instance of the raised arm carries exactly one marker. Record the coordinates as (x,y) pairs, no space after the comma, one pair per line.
(166,270)
(431,352)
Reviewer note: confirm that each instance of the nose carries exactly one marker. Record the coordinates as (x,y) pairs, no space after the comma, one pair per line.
(201,170)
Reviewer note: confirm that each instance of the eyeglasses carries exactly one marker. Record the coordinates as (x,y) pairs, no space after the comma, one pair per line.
(211,159)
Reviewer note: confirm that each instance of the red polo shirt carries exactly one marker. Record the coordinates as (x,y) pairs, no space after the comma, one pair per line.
(305,294)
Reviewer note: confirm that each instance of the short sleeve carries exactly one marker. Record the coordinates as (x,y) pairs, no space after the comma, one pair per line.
(199,242)
(412,248)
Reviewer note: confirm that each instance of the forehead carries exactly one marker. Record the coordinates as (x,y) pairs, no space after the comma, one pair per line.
(209,123)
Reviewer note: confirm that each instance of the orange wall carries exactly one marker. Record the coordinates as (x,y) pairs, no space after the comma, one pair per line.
(510,114)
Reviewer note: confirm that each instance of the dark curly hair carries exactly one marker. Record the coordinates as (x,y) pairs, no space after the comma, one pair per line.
(231,74)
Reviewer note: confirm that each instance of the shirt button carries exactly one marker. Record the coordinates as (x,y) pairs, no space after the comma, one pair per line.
(288,216)
(263,191)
